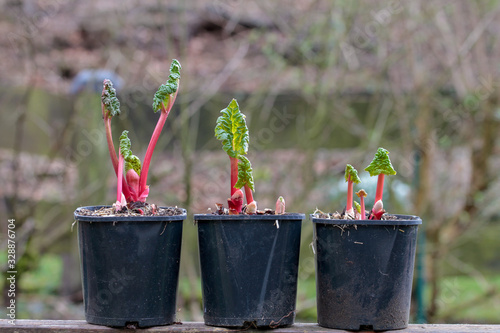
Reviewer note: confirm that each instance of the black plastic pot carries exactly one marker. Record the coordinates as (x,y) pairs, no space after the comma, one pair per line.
(249,267)
(130,268)
(364,272)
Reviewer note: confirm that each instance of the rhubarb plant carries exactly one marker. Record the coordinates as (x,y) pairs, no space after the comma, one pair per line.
(351,177)
(362,210)
(231,129)
(280,206)
(357,210)
(132,188)
(380,166)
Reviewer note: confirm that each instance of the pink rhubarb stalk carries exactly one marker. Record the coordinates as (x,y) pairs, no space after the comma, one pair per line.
(133,184)
(362,194)
(251,203)
(378,207)
(235,203)
(111,147)
(119,187)
(152,144)
(351,177)
(280,206)
(380,187)
(248,194)
(348,207)
(234,173)
(120,199)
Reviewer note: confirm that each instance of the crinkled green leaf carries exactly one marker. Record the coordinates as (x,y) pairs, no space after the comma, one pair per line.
(170,87)
(232,130)
(244,174)
(131,161)
(350,171)
(357,206)
(125,144)
(109,99)
(381,164)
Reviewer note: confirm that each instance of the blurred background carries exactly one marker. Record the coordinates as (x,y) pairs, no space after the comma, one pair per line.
(322,83)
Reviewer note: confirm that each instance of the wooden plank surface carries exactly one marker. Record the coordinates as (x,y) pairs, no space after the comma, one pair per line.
(72,326)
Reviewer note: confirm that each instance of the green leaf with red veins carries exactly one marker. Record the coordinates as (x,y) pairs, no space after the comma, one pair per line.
(232,130)
(381,164)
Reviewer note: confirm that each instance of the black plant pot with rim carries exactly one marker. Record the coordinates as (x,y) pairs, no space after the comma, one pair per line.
(130,268)
(364,272)
(249,267)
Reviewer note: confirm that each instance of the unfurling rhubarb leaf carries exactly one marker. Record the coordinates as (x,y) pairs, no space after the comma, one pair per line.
(357,206)
(351,174)
(163,95)
(125,144)
(244,174)
(131,161)
(361,193)
(381,164)
(132,168)
(357,211)
(232,130)
(109,100)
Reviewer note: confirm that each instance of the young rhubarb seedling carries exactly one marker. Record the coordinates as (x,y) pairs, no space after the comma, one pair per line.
(132,187)
(232,131)
(351,176)
(380,166)
(362,194)
(357,210)
(280,205)
(110,107)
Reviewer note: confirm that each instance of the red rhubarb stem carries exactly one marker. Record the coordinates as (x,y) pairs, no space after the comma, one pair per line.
(248,194)
(111,147)
(380,187)
(362,204)
(234,173)
(152,143)
(349,195)
(112,152)
(120,184)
